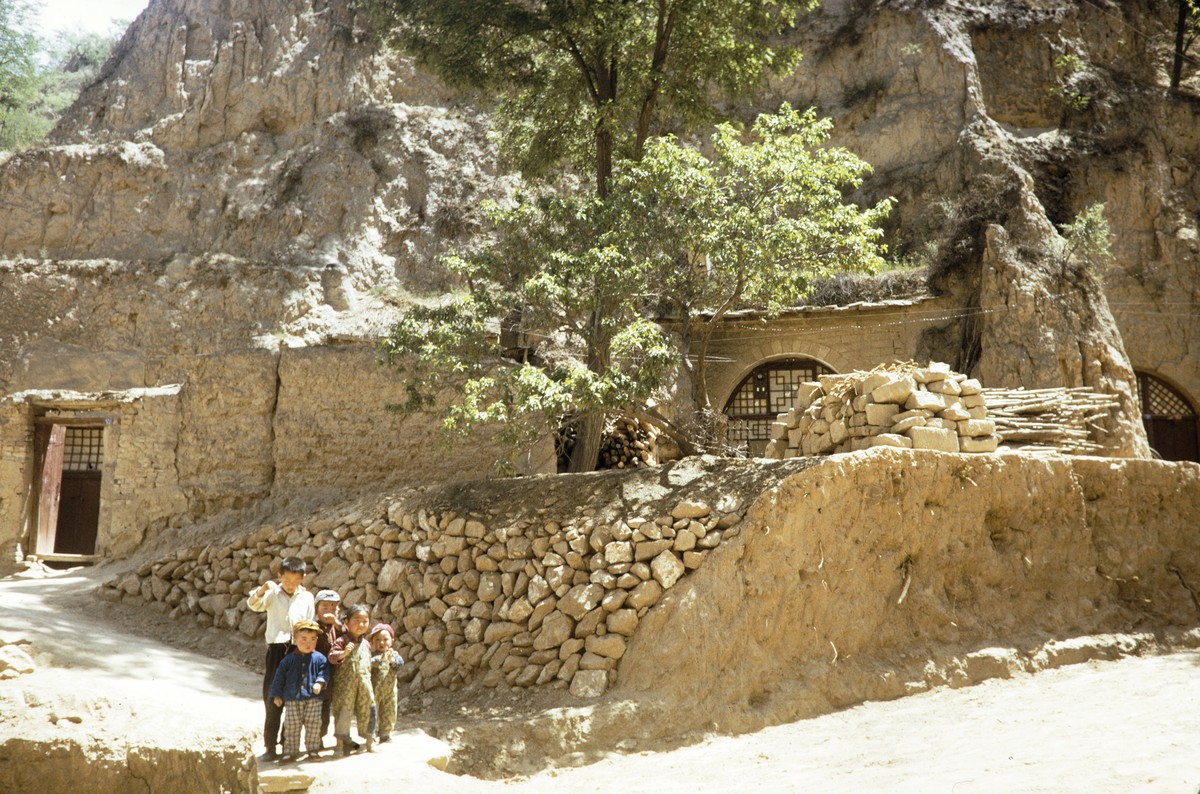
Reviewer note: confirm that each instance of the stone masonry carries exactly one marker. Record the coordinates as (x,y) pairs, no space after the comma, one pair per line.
(900,405)
(533,602)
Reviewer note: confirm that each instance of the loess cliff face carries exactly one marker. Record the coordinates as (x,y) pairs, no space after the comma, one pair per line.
(997,123)
(270,146)
(264,131)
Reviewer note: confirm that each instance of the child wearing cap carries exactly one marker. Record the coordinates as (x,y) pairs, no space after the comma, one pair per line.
(385,663)
(331,628)
(299,680)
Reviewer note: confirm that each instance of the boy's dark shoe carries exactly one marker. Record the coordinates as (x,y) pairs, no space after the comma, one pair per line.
(269,755)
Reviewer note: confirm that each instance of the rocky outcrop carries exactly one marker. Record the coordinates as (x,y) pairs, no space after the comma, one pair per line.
(267,131)
(962,110)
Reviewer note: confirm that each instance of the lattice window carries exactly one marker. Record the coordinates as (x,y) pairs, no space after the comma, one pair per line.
(764,394)
(1160,400)
(83,449)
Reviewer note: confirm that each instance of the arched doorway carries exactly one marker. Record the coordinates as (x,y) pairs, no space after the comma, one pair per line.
(1170,419)
(766,392)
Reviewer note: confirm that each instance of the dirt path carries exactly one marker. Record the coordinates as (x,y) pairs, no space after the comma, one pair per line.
(1127,725)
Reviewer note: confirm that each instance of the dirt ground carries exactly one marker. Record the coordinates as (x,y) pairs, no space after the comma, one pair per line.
(104,671)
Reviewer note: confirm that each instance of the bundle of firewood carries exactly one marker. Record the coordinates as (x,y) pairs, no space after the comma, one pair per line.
(1059,420)
(627,443)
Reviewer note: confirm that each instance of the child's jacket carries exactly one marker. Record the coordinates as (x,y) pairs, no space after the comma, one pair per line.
(296,675)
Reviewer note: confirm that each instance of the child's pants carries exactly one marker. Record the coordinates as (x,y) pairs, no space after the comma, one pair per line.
(363,711)
(304,714)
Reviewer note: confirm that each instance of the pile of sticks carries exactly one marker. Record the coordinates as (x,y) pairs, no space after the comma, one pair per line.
(627,444)
(1053,420)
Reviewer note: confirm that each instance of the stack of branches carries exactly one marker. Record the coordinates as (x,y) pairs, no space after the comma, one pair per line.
(628,443)
(1051,420)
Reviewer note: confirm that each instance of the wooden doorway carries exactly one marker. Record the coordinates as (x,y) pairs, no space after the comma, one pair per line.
(70,467)
(1171,422)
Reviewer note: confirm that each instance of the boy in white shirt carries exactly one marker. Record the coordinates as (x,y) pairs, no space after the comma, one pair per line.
(286,603)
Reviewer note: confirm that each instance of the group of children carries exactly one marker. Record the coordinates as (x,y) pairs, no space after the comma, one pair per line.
(320,665)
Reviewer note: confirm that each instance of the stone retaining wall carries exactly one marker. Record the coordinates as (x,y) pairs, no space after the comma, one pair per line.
(547,599)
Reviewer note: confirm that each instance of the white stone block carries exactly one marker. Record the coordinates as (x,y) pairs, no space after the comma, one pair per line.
(975,428)
(971,400)
(891,440)
(936,438)
(980,444)
(882,414)
(921,400)
(589,683)
(904,425)
(838,432)
(895,390)
(955,413)
(947,386)
(971,386)
(805,393)
(978,412)
(872,382)
(937,370)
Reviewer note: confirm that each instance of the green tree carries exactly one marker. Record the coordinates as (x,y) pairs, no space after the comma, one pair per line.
(18,76)
(751,225)
(584,81)
(583,84)
(40,79)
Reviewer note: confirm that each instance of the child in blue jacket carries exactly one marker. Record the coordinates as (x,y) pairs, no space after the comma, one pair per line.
(301,677)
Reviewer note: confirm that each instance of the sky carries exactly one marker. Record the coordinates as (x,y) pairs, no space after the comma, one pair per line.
(90,16)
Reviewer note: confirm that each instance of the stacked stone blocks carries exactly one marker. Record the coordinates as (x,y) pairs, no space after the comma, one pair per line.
(901,405)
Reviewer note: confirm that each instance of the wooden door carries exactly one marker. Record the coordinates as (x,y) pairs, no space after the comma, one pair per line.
(54,440)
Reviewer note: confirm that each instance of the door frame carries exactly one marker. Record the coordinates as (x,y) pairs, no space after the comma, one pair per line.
(49,445)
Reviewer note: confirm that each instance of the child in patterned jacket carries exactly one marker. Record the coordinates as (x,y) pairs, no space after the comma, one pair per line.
(385,662)
(353,697)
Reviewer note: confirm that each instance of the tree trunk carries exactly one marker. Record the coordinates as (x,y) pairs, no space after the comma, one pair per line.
(604,162)
(586,452)
(1177,61)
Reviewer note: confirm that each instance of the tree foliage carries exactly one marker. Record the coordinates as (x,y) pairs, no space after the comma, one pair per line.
(40,79)
(586,81)
(18,75)
(750,226)
(583,277)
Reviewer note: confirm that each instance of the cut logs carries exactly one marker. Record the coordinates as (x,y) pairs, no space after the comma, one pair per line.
(1055,420)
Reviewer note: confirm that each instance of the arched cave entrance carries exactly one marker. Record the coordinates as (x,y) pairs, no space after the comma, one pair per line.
(766,392)
(1170,419)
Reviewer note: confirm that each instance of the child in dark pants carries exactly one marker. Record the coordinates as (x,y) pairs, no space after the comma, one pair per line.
(326,608)
(302,676)
(286,602)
